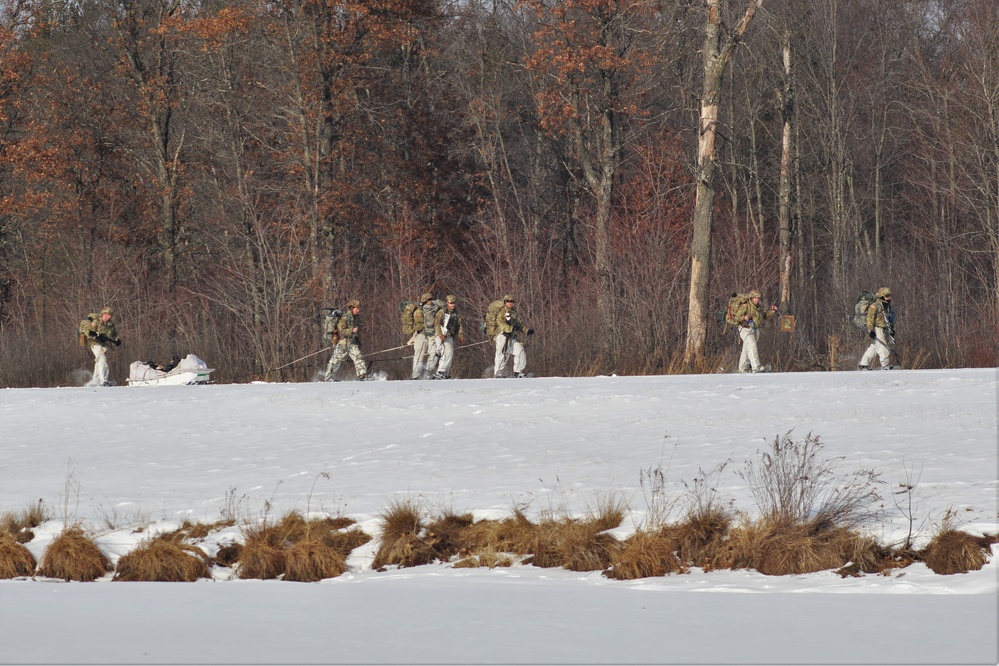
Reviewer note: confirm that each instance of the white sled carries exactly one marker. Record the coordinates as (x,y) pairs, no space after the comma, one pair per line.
(190,370)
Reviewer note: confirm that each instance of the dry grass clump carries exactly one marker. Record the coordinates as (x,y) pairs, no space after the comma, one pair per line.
(311,560)
(778,549)
(164,559)
(446,534)
(189,531)
(489,559)
(298,549)
(701,538)
(73,556)
(572,543)
(15,559)
(953,551)
(646,554)
(20,523)
(402,541)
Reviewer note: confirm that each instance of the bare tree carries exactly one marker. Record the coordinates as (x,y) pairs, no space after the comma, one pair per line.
(719,42)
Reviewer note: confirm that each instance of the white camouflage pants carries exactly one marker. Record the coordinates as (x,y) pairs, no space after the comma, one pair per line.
(421,347)
(879,347)
(341,351)
(750,356)
(504,351)
(445,349)
(101,371)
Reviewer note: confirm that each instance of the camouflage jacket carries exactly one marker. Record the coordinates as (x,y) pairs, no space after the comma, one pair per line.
(345,328)
(877,316)
(508,322)
(757,314)
(453,326)
(98,329)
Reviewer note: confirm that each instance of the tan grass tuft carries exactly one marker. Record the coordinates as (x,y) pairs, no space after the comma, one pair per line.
(73,556)
(571,543)
(189,531)
(19,523)
(264,554)
(164,560)
(953,551)
(402,541)
(646,554)
(345,541)
(776,548)
(15,559)
(446,534)
(488,559)
(311,560)
(701,538)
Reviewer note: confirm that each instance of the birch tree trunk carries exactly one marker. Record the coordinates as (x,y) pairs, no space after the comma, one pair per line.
(719,43)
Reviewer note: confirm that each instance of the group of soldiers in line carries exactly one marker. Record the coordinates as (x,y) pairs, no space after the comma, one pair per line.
(433,340)
(880,318)
(437,328)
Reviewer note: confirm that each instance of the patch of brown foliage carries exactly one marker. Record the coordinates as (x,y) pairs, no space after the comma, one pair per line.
(73,556)
(19,523)
(228,554)
(645,554)
(298,549)
(15,559)
(311,560)
(401,539)
(777,548)
(164,559)
(488,559)
(953,551)
(700,539)
(572,543)
(189,531)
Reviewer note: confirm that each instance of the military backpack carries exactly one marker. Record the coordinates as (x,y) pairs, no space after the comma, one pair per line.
(408,310)
(735,304)
(331,317)
(864,302)
(489,323)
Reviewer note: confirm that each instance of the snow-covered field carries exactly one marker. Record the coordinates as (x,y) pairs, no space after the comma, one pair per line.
(124,458)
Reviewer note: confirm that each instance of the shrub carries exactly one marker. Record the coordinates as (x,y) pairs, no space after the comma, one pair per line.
(791,485)
(645,554)
(20,523)
(73,556)
(164,560)
(778,548)
(15,559)
(402,542)
(574,544)
(311,560)
(297,549)
(953,551)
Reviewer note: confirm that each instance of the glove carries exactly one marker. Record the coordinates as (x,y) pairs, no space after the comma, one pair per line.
(117,343)
(873,335)
(517,327)
(530,331)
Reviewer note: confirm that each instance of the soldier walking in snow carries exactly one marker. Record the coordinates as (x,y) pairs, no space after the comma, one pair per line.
(509,339)
(447,326)
(751,318)
(98,332)
(421,341)
(347,342)
(880,328)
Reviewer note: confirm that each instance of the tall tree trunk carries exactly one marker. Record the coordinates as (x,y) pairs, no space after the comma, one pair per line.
(784,186)
(718,46)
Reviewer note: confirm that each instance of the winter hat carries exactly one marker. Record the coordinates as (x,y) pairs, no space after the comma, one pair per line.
(353,303)
(451,298)
(106,310)
(426,297)
(509,297)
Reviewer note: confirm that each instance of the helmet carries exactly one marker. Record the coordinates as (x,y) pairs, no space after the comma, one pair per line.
(509,297)
(451,298)
(884,292)
(106,310)
(353,303)
(427,296)
(755,294)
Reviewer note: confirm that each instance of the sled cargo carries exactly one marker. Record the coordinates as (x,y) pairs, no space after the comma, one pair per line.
(190,370)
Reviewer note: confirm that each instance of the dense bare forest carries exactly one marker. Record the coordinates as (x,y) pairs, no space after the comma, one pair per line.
(217,171)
